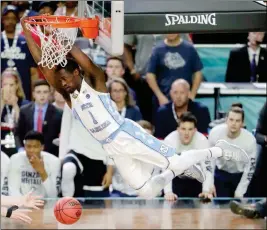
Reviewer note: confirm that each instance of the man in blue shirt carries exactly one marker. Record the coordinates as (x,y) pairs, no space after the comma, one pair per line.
(15,52)
(173,59)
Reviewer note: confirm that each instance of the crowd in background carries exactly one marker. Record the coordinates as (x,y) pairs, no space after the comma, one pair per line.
(154,83)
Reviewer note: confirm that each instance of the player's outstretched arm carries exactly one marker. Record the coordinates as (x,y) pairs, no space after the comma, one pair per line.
(36,54)
(90,68)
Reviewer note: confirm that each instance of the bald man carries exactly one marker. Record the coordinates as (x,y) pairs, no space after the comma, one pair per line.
(168,115)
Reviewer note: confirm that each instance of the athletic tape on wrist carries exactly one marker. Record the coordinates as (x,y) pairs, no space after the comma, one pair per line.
(10,210)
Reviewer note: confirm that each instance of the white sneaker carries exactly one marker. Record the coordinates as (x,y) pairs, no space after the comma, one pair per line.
(232,152)
(194,172)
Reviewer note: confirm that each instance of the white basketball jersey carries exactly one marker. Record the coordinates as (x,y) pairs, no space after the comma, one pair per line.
(96,111)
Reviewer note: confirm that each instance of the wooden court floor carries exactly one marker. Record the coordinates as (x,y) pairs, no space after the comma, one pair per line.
(141,214)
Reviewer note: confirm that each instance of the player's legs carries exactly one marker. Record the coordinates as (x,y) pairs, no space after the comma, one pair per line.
(133,142)
(176,162)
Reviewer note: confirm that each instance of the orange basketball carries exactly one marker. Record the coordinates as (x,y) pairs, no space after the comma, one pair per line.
(68,210)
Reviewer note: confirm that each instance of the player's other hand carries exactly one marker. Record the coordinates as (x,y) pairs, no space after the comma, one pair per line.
(30,201)
(19,214)
(170,196)
(22,20)
(107,180)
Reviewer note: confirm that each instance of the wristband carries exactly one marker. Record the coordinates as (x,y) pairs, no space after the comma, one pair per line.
(10,210)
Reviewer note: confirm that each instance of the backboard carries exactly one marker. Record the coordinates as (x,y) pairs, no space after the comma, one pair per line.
(111,28)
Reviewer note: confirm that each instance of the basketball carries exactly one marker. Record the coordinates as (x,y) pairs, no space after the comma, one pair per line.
(68,210)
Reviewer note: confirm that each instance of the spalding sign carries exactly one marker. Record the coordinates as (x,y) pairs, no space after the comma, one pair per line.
(201,19)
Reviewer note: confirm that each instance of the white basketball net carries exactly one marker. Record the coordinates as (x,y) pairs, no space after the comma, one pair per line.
(55,43)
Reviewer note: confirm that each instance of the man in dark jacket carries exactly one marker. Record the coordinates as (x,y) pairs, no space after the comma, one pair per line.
(248,64)
(40,116)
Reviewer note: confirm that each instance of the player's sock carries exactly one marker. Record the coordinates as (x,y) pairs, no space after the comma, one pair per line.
(153,187)
(179,163)
(67,184)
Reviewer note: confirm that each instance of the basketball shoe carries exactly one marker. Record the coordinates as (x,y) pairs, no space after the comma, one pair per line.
(156,184)
(232,152)
(194,172)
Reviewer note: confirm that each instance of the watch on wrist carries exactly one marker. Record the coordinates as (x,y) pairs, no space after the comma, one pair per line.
(10,210)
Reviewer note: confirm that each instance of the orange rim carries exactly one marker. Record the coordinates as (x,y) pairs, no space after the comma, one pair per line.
(89,26)
(59,21)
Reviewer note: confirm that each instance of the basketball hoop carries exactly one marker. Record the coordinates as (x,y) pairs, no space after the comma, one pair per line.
(58,34)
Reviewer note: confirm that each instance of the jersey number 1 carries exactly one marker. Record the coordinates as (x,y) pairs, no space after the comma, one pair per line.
(94,120)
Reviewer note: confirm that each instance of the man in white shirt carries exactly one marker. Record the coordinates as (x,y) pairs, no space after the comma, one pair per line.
(4,171)
(232,178)
(185,138)
(34,169)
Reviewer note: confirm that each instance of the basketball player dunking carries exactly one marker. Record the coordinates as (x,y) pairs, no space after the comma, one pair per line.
(134,152)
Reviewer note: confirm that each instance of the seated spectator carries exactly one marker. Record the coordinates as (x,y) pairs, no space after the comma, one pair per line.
(82,176)
(233,179)
(15,51)
(248,64)
(34,169)
(40,116)
(115,69)
(4,173)
(171,60)
(185,138)
(223,120)
(120,94)
(119,187)
(12,98)
(167,117)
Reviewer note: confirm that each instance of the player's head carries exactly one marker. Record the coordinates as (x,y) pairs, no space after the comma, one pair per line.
(41,92)
(256,38)
(10,18)
(33,143)
(115,67)
(147,126)
(187,127)
(235,120)
(180,92)
(69,76)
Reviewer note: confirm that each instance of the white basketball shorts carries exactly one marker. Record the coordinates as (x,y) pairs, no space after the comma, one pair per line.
(136,153)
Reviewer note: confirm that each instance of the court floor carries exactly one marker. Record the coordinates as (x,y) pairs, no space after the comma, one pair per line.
(143,214)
